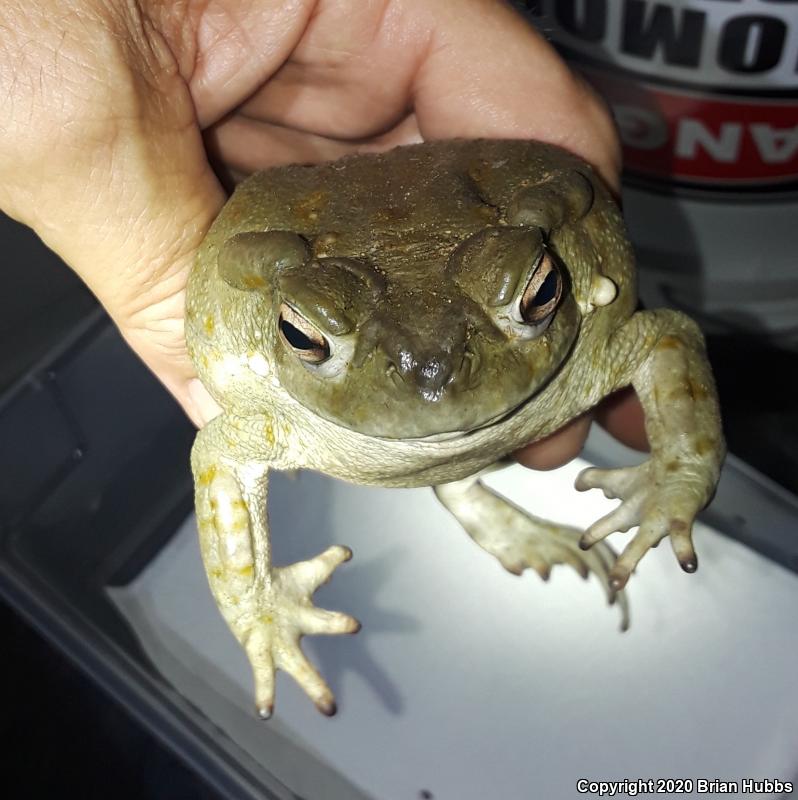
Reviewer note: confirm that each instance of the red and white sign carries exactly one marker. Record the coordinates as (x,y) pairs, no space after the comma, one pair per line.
(678,134)
(705,92)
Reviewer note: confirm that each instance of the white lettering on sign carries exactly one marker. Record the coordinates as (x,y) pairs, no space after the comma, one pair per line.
(776,146)
(723,146)
(739,44)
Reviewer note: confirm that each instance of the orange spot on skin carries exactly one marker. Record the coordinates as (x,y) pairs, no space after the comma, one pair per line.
(204,478)
(268,432)
(308,207)
(669,343)
(680,392)
(705,445)
(246,571)
(254,281)
(209,324)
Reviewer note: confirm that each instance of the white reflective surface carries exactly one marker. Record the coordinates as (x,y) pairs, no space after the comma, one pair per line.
(470,683)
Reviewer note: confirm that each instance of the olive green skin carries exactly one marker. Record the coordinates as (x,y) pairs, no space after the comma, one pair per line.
(424,361)
(405,261)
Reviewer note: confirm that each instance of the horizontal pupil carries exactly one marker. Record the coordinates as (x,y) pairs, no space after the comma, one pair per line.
(296,338)
(547,290)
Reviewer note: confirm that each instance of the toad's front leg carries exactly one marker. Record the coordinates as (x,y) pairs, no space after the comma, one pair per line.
(663,495)
(268,608)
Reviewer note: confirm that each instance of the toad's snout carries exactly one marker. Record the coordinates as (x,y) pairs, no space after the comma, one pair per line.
(428,345)
(430,375)
(429,367)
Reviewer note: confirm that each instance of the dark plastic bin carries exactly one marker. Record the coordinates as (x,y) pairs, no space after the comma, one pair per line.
(94,458)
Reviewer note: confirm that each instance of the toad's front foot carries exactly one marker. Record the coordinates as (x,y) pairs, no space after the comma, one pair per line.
(661,501)
(520,540)
(270,622)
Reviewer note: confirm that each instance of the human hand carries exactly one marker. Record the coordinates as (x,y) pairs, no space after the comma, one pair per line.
(111,104)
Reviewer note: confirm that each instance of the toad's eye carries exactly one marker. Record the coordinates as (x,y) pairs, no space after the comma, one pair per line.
(302,336)
(542,293)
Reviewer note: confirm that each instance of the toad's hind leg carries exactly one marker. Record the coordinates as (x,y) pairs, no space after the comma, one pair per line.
(520,540)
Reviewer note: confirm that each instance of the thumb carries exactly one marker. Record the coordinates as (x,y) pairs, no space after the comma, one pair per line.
(102,156)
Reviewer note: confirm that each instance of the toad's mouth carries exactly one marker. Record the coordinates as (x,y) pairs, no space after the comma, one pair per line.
(448,436)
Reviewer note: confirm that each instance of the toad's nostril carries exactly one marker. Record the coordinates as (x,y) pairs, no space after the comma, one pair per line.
(467,374)
(394,375)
